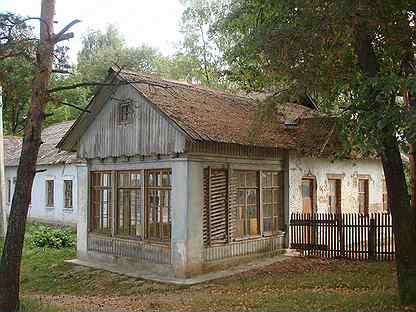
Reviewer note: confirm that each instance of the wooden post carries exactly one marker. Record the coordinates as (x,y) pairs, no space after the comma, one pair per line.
(3,202)
(372,240)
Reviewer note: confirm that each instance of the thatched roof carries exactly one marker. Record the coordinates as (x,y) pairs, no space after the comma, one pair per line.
(210,115)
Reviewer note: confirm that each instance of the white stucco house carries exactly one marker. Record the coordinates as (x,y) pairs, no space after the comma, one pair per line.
(54,193)
(179,179)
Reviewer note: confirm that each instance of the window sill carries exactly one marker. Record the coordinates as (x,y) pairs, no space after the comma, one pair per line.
(50,207)
(68,210)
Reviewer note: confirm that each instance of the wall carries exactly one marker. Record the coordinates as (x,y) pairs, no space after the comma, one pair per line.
(38,210)
(349,171)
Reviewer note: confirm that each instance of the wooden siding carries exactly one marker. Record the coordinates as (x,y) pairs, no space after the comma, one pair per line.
(237,150)
(149,132)
(138,250)
(261,246)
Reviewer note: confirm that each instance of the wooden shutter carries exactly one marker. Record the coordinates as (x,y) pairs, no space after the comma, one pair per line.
(215,206)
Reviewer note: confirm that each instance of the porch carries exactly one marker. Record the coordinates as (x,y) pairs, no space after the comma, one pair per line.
(180,217)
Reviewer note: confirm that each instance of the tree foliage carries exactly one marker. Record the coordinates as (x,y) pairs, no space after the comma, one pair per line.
(357,59)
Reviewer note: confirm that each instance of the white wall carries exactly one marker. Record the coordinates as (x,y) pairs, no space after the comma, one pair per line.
(348,170)
(38,210)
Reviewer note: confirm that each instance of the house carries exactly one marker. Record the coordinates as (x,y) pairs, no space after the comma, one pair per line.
(179,179)
(54,192)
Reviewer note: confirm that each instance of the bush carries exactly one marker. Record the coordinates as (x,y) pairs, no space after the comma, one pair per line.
(45,236)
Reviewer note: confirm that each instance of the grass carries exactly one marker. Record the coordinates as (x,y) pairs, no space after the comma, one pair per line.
(297,285)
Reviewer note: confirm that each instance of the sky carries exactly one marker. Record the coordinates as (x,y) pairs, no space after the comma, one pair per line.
(151,22)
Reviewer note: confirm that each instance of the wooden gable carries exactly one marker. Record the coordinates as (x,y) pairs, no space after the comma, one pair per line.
(128,125)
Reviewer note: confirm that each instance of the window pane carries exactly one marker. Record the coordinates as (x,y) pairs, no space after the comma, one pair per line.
(251,179)
(241,179)
(276,179)
(252,197)
(267,196)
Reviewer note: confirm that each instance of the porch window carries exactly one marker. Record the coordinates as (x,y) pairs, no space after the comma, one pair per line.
(129,214)
(158,193)
(49,193)
(271,183)
(363,198)
(101,202)
(68,194)
(248,203)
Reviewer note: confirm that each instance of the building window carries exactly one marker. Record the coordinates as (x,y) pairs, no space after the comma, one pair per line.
(50,193)
(248,203)
(101,202)
(158,201)
(9,190)
(308,195)
(334,195)
(271,187)
(68,204)
(125,112)
(363,198)
(129,212)
(385,198)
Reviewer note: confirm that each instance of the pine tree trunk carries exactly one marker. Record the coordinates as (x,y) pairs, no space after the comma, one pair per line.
(12,251)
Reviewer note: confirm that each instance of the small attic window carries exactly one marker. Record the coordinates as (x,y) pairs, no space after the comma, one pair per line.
(125,112)
(291,124)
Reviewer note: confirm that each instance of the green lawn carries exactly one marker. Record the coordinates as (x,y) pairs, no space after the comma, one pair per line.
(297,284)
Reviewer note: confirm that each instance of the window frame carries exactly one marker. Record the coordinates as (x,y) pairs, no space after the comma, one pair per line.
(148,189)
(276,205)
(125,112)
(312,181)
(98,227)
(338,195)
(385,196)
(65,198)
(9,190)
(246,188)
(50,201)
(129,188)
(365,193)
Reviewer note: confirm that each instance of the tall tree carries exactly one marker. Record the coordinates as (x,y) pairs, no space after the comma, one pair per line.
(101,50)
(357,58)
(45,50)
(198,58)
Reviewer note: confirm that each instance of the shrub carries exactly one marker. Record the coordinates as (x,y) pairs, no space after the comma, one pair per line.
(45,236)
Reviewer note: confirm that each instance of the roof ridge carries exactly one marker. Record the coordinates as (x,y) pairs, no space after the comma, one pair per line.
(187,85)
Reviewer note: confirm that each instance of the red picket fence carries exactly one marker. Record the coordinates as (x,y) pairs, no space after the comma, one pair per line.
(347,235)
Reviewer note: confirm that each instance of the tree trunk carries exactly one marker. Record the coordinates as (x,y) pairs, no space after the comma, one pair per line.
(404,219)
(12,251)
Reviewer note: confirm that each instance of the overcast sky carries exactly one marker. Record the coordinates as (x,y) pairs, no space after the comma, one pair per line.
(152,22)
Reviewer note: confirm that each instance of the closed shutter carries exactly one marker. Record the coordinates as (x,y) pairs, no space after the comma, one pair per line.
(215,206)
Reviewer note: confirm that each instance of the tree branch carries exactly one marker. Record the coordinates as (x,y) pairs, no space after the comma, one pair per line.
(92,84)
(76,107)
(62,35)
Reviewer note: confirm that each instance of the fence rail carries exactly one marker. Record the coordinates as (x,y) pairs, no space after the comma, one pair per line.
(353,236)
